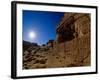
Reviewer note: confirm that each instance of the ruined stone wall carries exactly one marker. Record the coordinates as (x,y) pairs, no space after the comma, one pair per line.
(78,48)
(73,25)
(82,24)
(64,18)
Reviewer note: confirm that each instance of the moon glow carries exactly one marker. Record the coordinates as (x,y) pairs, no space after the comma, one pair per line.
(32,35)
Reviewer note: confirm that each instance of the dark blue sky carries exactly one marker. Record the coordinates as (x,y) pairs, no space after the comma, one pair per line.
(43,23)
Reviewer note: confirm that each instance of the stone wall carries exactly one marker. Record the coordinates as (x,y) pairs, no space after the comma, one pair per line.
(73,25)
(77,48)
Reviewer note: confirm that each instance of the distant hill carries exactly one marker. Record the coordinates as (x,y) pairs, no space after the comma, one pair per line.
(28,45)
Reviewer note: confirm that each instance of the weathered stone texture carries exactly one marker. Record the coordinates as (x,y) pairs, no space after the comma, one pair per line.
(77,48)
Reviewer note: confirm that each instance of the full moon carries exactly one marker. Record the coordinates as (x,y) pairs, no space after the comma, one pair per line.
(32,35)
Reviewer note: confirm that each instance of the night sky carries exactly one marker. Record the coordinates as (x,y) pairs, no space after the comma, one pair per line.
(42,23)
